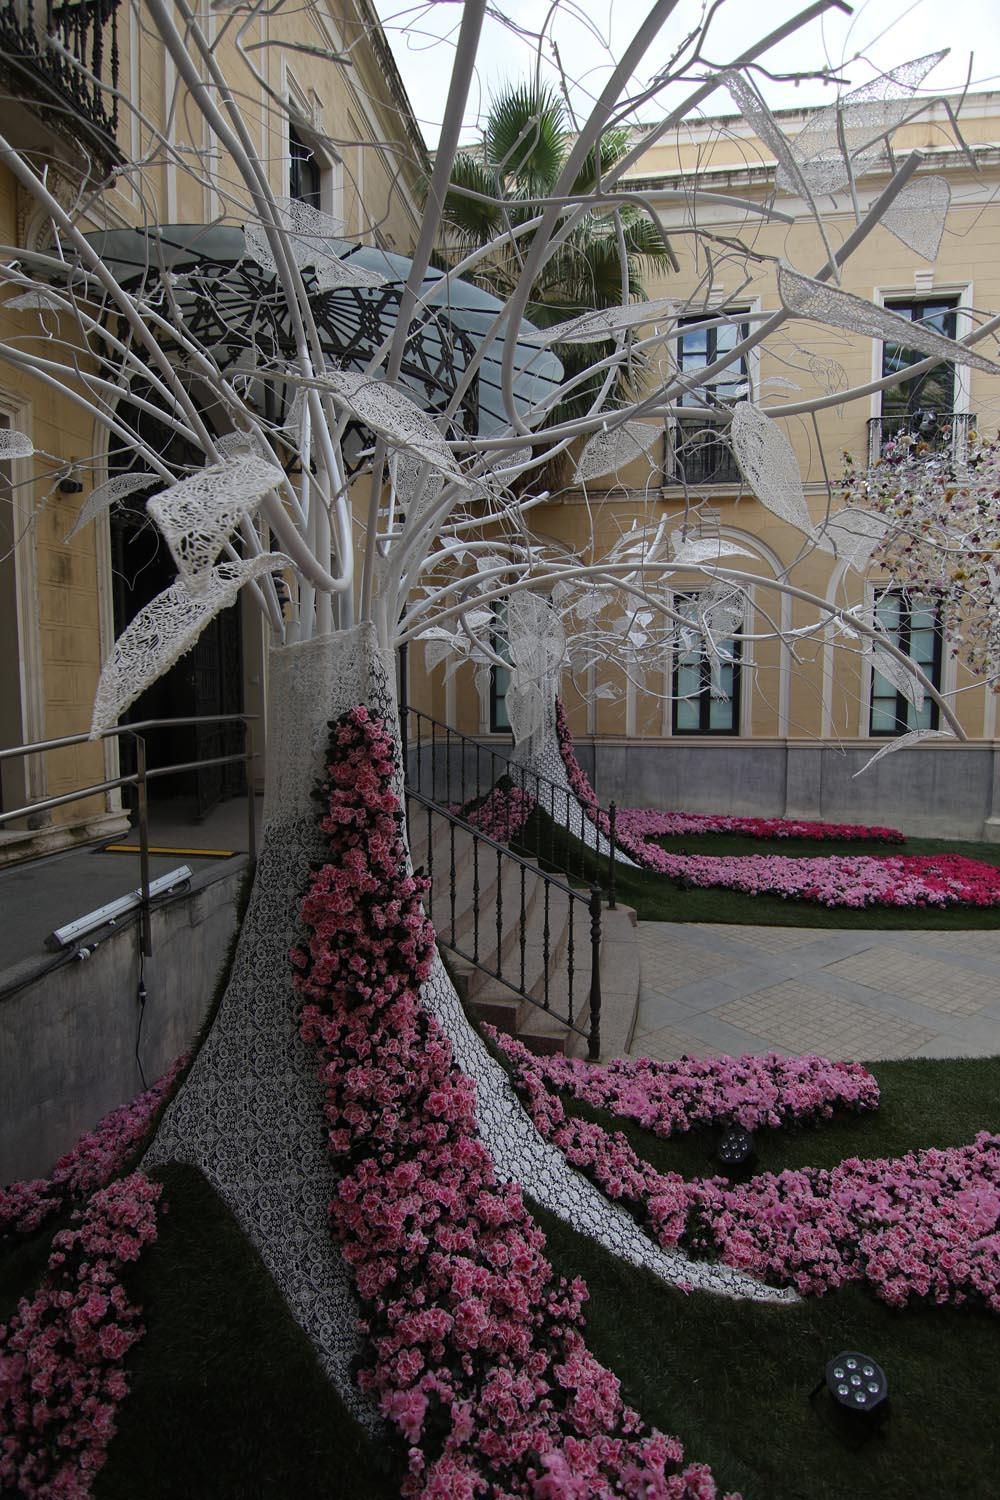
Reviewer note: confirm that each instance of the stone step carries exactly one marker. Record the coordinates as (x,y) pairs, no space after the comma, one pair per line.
(528,1018)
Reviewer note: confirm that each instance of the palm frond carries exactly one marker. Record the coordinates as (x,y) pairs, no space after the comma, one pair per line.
(524,138)
(612,147)
(474,220)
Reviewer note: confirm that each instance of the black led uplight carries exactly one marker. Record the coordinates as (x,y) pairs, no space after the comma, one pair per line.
(735,1149)
(857,1383)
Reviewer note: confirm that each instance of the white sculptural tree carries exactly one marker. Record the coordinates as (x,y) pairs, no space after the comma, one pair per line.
(392,520)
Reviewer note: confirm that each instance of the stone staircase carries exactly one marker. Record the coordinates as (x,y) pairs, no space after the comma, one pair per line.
(500,919)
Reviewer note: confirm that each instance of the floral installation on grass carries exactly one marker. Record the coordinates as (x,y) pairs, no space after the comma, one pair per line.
(834,880)
(474,1349)
(96,1157)
(646,823)
(62,1354)
(668,1097)
(920,1227)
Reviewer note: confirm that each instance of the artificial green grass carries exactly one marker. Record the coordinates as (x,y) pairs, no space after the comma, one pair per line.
(658,898)
(733,1379)
(228,1399)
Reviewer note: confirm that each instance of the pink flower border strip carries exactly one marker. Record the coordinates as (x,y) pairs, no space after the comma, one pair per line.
(474,1349)
(646,823)
(667,1097)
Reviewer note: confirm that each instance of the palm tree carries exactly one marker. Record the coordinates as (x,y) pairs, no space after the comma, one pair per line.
(524,146)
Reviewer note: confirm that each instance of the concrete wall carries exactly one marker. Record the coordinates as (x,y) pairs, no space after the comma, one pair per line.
(67,1040)
(932,791)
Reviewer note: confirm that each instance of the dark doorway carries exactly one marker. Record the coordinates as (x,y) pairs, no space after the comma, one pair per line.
(207,681)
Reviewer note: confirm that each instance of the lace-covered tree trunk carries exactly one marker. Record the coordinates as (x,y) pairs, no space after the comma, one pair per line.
(250,1114)
(540,757)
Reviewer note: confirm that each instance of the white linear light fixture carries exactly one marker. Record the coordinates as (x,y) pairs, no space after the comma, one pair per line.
(104,916)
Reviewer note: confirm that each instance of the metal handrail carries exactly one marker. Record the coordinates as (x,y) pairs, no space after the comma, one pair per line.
(591,902)
(556,798)
(39,747)
(140,779)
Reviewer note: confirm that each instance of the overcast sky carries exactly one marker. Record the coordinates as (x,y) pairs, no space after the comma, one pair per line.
(878,36)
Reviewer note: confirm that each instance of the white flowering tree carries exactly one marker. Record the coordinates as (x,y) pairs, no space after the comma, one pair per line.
(392,519)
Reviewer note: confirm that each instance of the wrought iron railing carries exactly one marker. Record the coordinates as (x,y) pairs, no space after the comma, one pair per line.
(930,432)
(456,771)
(698,453)
(534,951)
(65,61)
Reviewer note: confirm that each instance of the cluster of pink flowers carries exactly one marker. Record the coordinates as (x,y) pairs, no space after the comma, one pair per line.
(502,814)
(667,1097)
(831,880)
(842,880)
(62,1354)
(920,1227)
(646,823)
(93,1161)
(474,1348)
(925,1226)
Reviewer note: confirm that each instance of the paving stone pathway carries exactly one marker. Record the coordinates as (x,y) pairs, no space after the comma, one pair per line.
(709,988)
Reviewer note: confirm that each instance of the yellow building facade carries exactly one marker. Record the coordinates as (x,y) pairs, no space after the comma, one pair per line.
(339,134)
(796,698)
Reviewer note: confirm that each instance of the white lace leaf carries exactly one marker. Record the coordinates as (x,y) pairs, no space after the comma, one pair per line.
(768,464)
(707,549)
(917,216)
(435,652)
(607,452)
(314,240)
(416,485)
(507,465)
(590,604)
(899,675)
(804,297)
(15,444)
(164,630)
(107,494)
(198,516)
(604,323)
(766,128)
(237,444)
(535,634)
(853,535)
(720,611)
(829,373)
(903,742)
(394,417)
(857,123)
(35,301)
(525,708)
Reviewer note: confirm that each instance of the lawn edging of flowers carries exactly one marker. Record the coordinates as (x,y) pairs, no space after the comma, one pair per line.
(667,1097)
(646,823)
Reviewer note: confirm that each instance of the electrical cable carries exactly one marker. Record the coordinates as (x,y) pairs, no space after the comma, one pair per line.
(140,995)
